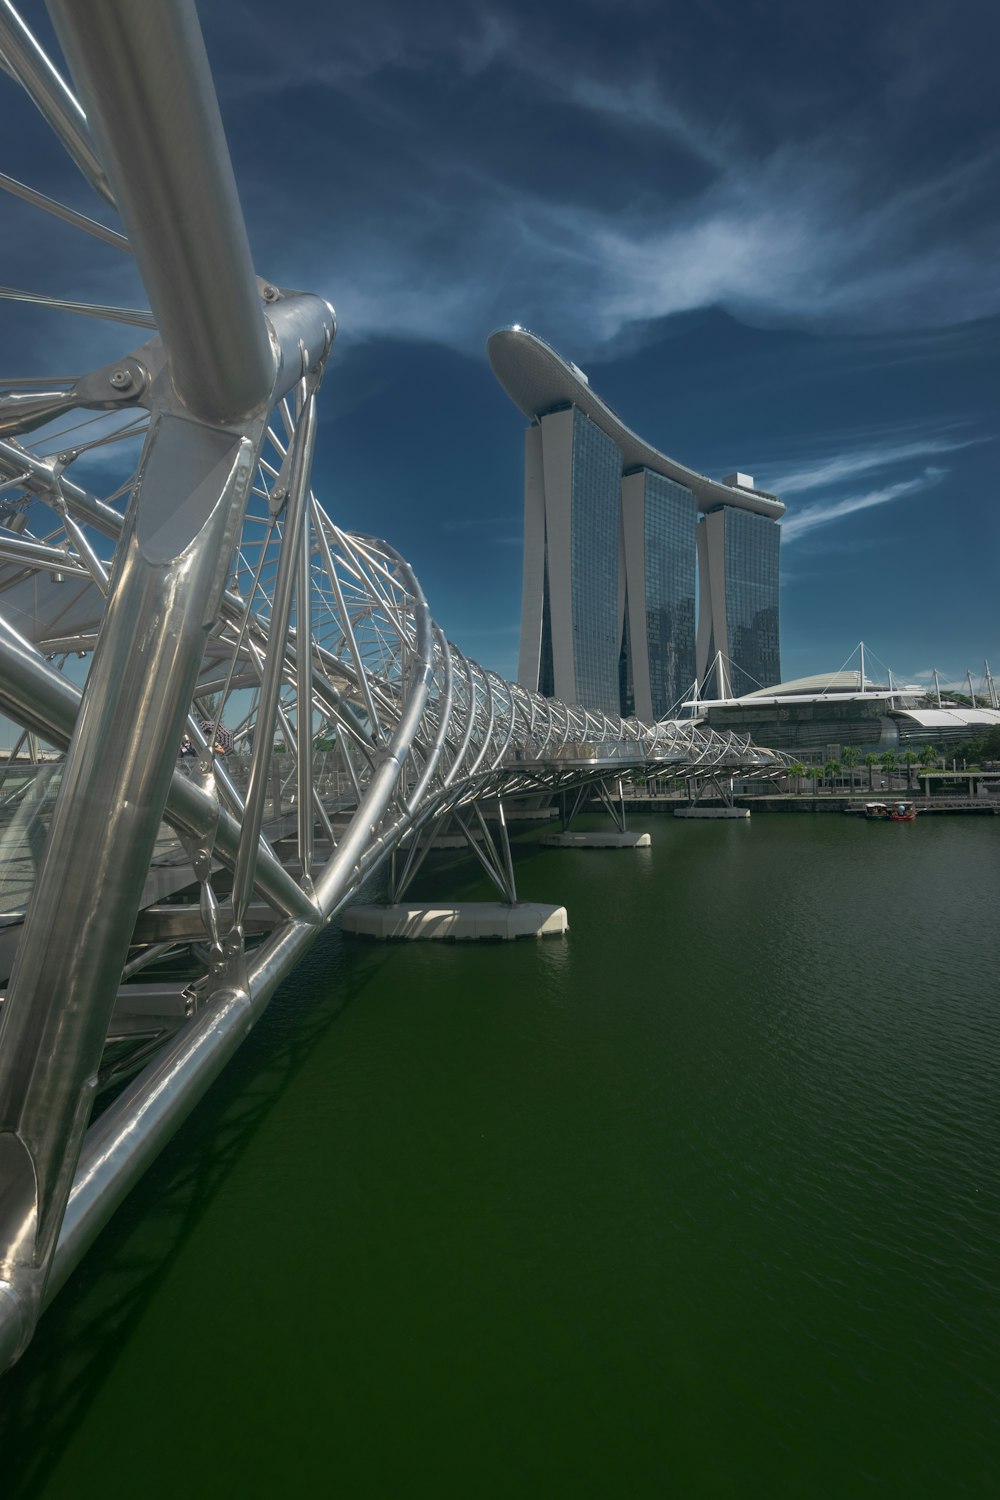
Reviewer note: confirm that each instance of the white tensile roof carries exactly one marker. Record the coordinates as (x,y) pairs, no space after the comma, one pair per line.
(952,718)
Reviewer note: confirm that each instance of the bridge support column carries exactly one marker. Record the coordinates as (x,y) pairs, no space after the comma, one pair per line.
(621,839)
(466,920)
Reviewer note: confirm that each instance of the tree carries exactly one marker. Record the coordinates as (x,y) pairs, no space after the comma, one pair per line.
(929,757)
(814,773)
(831,771)
(871,761)
(889,764)
(910,758)
(850,759)
(798,770)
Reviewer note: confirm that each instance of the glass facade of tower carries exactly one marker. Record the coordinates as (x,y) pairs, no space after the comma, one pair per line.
(670,519)
(752,560)
(597,468)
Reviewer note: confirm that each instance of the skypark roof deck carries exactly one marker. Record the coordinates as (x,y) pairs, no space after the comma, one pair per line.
(538,380)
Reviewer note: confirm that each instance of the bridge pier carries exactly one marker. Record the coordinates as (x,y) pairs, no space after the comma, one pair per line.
(621,839)
(725,809)
(462,921)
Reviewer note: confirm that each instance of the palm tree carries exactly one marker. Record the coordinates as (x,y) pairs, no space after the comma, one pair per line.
(814,773)
(889,764)
(831,770)
(930,759)
(798,770)
(871,761)
(910,758)
(850,758)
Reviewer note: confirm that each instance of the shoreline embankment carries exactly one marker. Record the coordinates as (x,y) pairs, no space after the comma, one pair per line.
(817,803)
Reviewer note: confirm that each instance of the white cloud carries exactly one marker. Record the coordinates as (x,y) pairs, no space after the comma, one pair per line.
(639,102)
(783,241)
(832,470)
(813,516)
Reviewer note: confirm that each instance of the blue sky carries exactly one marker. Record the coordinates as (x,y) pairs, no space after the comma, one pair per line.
(767,231)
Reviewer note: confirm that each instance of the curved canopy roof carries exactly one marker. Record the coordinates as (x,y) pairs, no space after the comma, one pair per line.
(819,683)
(538,380)
(957,718)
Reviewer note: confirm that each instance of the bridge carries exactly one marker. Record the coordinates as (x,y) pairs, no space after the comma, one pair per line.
(170,582)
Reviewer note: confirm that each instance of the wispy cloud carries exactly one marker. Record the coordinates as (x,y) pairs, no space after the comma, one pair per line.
(828,471)
(438,172)
(813,516)
(785,241)
(639,102)
(489,166)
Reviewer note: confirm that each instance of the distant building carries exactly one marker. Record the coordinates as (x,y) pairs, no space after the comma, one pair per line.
(615,536)
(817,718)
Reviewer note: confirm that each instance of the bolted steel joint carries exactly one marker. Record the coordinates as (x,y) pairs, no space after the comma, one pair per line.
(121,379)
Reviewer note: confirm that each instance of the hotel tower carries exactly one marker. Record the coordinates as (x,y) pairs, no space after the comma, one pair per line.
(615,536)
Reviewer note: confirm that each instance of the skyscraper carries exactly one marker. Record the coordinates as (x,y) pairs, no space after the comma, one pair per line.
(615,534)
(659,518)
(570,612)
(738,574)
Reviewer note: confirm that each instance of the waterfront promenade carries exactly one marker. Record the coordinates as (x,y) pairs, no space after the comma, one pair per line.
(982,796)
(816,802)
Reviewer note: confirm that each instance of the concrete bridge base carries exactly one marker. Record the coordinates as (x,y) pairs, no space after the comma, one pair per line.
(596,841)
(466,921)
(712,812)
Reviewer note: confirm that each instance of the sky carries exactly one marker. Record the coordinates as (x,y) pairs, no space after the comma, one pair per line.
(768,232)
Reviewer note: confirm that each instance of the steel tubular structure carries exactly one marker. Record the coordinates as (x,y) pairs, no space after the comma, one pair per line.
(236,698)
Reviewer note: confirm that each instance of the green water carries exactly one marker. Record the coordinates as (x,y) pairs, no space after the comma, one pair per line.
(701,1200)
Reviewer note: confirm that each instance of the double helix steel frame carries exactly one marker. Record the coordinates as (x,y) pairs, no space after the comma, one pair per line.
(322,713)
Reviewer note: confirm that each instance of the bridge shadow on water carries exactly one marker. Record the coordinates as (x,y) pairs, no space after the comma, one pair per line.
(46,1396)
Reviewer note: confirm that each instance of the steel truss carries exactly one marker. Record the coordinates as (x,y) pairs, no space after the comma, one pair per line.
(205,600)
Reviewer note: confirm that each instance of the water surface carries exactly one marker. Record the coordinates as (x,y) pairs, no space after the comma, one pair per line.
(700,1200)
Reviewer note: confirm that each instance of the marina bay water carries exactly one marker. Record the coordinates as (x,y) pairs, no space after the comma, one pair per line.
(700,1200)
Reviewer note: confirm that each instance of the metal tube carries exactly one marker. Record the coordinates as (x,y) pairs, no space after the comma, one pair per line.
(36,695)
(137,317)
(444,707)
(319,528)
(508,857)
(62,211)
(37,555)
(305,817)
(41,479)
(460,754)
(336,873)
(274,663)
(490,868)
(48,91)
(144,80)
(114,788)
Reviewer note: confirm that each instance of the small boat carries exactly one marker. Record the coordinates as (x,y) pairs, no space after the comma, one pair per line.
(903,812)
(876,810)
